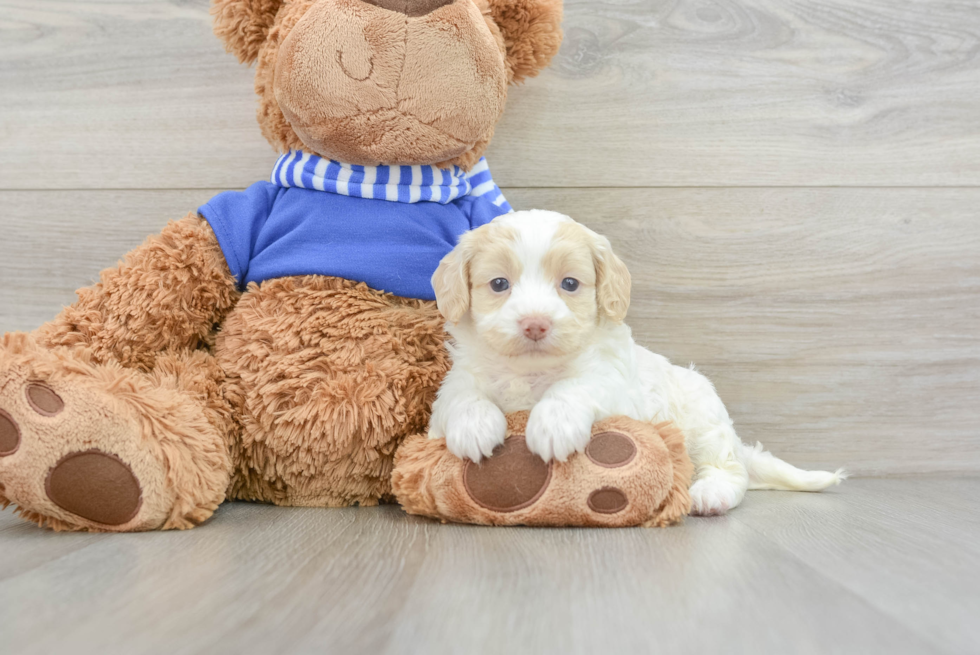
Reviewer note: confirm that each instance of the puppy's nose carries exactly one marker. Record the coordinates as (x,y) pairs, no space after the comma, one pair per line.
(535,328)
(411,8)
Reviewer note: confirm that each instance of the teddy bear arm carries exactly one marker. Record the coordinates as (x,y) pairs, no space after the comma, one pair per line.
(168,293)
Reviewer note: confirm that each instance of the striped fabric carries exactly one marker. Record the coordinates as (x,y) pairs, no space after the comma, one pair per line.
(395,183)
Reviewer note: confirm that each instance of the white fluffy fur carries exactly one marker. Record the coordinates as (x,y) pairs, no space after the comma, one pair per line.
(567,388)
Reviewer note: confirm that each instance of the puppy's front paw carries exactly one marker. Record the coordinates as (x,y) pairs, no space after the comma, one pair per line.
(475,429)
(557,428)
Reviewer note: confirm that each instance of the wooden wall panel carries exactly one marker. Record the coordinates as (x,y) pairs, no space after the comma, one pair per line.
(139,94)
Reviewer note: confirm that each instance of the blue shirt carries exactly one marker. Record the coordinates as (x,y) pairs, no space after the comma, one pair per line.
(350,229)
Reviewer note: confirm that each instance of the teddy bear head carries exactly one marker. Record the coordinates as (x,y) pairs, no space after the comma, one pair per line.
(384,82)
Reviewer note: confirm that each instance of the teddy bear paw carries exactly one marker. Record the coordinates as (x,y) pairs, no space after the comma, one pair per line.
(67,452)
(629,473)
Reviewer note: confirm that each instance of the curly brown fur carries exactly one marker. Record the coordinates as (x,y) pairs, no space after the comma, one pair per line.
(243,25)
(207,455)
(532,33)
(275,128)
(167,294)
(328,377)
(677,505)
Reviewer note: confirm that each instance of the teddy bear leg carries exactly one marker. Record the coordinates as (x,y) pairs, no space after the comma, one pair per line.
(104,424)
(99,447)
(331,376)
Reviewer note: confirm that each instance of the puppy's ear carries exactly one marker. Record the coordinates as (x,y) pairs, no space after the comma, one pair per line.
(612,280)
(531,31)
(243,25)
(451,281)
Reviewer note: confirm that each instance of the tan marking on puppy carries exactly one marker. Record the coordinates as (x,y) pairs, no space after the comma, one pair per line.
(612,280)
(571,255)
(494,258)
(479,253)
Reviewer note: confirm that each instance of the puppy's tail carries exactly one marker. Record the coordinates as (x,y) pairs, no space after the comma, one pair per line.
(766,471)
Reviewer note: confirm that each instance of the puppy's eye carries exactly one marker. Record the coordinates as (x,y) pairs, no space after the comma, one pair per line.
(500,284)
(569,284)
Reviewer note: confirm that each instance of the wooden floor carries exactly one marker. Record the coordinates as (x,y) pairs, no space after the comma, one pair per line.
(875,566)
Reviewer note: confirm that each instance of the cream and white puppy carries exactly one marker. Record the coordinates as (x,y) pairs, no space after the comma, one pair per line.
(535,305)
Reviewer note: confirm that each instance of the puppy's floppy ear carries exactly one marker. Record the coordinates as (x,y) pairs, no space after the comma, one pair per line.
(451,281)
(612,280)
(532,33)
(243,25)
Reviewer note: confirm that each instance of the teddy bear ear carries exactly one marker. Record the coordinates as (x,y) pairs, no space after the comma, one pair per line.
(532,33)
(243,25)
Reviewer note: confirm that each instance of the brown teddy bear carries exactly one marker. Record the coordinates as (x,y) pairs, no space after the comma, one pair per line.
(279,343)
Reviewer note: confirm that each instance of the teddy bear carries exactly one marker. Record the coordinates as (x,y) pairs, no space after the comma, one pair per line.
(279,343)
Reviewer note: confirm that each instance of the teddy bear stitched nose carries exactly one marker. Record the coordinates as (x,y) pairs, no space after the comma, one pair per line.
(411,8)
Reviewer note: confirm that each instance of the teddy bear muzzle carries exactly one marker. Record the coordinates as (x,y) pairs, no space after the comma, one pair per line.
(411,8)
(375,82)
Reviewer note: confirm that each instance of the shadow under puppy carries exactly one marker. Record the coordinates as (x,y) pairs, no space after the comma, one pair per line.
(535,305)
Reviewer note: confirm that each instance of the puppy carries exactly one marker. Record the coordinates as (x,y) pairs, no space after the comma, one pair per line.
(535,305)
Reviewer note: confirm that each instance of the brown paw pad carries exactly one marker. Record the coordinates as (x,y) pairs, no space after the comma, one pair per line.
(514,478)
(608,500)
(96,486)
(9,434)
(611,449)
(44,400)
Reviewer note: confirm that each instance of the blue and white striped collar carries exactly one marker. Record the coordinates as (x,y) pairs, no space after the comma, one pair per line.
(395,183)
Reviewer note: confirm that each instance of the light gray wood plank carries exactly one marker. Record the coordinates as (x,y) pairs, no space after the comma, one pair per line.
(906,546)
(710,586)
(23,550)
(139,94)
(254,579)
(802,573)
(56,242)
(839,325)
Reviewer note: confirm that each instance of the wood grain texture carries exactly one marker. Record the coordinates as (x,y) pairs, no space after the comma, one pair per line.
(871,566)
(907,548)
(139,94)
(839,325)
